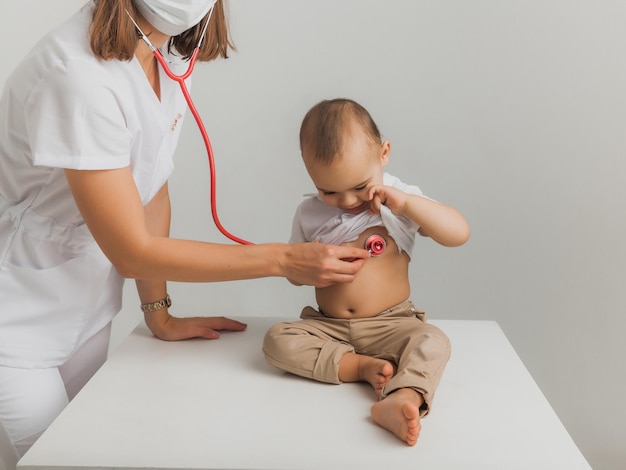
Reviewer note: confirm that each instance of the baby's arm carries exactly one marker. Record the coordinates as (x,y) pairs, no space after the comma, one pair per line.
(442,223)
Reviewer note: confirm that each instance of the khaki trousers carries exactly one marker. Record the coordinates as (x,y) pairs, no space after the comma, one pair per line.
(313,346)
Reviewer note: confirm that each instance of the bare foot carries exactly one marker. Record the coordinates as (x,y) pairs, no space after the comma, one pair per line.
(400,414)
(359,368)
(375,371)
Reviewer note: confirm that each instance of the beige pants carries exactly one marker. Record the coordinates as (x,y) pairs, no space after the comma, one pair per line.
(313,347)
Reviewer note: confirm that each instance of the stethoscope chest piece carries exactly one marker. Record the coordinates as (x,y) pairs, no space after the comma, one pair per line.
(375,244)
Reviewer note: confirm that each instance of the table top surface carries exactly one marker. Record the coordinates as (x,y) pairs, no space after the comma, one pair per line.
(202,404)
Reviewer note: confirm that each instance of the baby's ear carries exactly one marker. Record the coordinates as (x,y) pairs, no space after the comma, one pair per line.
(385,151)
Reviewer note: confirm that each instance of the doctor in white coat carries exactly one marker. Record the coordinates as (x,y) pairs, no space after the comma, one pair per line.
(88,126)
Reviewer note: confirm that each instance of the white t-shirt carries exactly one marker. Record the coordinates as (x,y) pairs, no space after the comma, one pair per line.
(317,221)
(65,108)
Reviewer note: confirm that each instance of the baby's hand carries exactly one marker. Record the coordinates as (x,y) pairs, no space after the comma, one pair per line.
(393,198)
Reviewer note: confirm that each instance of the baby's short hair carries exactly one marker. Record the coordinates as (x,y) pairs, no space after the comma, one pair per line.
(326,125)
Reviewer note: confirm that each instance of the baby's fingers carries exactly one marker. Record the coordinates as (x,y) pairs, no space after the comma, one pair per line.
(375,203)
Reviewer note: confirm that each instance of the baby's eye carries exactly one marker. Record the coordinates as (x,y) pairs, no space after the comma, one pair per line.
(360,188)
(328,193)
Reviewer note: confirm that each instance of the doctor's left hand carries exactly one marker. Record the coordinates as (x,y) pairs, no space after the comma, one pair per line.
(169,328)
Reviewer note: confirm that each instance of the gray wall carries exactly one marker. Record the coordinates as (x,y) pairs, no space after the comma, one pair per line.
(514,112)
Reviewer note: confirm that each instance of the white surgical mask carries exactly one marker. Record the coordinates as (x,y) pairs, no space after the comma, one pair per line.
(173,17)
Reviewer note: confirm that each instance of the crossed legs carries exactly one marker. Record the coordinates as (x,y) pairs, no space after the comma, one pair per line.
(398,412)
(399,355)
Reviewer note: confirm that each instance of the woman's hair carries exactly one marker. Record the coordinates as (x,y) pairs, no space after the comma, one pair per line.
(114,36)
(326,125)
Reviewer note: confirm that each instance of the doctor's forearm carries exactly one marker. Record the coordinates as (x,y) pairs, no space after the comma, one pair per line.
(157,219)
(110,204)
(191,261)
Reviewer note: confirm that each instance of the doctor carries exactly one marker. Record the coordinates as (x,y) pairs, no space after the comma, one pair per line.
(88,127)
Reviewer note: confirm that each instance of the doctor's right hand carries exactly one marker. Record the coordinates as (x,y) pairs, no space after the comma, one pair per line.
(322,265)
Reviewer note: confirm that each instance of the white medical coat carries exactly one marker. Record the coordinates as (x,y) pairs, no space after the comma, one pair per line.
(65,108)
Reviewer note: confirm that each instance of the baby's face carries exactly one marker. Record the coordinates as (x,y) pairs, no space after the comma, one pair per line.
(345,183)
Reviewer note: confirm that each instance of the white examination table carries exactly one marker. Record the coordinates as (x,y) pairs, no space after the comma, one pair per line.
(217,405)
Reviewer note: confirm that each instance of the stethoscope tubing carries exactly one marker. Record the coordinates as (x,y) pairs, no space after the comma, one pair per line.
(180,79)
(205,136)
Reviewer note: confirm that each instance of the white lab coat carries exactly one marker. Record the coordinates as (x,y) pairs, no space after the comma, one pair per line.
(64,108)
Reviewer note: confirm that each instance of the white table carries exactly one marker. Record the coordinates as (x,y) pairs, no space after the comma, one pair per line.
(217,405)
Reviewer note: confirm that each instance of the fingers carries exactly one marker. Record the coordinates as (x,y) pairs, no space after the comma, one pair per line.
(344,272)
(198,327)
(200,331)
(350,254)
(375,204)
(209,327)
(375,199)
(350,268)
(372,192)
(223,323)
(321,265)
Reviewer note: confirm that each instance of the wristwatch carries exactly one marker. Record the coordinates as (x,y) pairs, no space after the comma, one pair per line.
(154,306)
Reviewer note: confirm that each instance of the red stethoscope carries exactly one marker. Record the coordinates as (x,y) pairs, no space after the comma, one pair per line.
(375,244)
(205,137)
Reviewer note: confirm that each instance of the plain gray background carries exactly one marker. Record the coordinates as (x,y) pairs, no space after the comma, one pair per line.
(512,111)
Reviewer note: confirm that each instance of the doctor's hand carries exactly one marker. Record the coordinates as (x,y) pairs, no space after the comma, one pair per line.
(322,265)
(169,328)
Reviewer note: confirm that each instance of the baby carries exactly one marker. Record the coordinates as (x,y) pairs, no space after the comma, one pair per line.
(367,330)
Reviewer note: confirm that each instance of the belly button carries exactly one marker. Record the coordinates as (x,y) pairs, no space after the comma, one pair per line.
(350,310)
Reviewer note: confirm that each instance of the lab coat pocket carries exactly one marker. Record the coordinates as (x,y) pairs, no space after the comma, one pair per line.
(44,310)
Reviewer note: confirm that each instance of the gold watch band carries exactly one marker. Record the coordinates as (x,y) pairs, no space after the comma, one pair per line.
(158,305)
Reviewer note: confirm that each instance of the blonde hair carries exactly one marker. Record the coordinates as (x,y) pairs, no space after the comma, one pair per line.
(114,36)
(326,124)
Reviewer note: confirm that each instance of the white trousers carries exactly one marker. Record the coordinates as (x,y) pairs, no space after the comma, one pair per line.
(30,399)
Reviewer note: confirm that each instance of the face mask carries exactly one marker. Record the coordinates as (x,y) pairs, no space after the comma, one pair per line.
(173,17)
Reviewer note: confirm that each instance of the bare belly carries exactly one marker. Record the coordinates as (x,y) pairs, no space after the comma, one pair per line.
(382,282)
